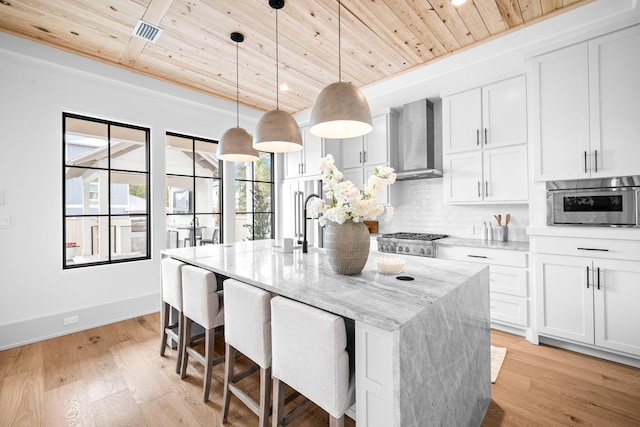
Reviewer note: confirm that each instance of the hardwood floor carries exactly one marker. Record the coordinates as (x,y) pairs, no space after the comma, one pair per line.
(113,375)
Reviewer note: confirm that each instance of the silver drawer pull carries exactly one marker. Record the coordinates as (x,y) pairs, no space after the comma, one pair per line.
(593,249)
(476,256)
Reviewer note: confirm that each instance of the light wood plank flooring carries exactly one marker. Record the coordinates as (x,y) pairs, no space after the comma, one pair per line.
(113,375)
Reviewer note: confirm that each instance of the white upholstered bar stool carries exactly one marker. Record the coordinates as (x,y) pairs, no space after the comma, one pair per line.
(171,297)
(203,304)
(309,354)
(247,329)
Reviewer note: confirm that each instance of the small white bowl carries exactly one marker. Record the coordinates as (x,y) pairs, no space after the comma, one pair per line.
(390,265)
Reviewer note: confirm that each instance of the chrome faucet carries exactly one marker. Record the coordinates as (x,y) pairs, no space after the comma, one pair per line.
(304,238)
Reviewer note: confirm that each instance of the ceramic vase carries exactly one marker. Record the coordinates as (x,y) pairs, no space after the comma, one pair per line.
(347,246)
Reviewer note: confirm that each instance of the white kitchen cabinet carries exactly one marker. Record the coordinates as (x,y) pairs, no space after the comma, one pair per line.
(494,115)
(589,299)
(585,108)
(485,144)
(495,175)
(361,155)
(306,162)
(508,281)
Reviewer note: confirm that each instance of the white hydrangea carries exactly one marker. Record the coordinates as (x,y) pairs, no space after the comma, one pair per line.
(344,201)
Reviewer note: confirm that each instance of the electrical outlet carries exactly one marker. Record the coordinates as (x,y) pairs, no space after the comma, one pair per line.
(70,320)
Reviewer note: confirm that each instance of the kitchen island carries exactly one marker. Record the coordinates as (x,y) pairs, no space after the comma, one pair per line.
(422,346)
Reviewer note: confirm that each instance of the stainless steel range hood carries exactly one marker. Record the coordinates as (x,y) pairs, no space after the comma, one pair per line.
(416,154)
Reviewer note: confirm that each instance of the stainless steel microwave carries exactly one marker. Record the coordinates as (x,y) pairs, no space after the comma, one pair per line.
(604,202)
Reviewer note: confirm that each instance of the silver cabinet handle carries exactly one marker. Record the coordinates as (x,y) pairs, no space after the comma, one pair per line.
(587,277)
(486,188)
(593,249)
(476,256)
(477,136)
(585,162)
(486,141)
(479,184)
(364,156)
(598,271)
(597,166)
(361,157)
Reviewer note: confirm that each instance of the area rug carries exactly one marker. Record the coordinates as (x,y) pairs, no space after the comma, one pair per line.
(497,357)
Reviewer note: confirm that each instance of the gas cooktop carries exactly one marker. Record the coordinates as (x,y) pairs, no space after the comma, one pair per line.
(419,244)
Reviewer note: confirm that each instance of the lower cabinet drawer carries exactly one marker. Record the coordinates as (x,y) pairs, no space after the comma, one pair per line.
(508,280)
(482,255)
(508,308)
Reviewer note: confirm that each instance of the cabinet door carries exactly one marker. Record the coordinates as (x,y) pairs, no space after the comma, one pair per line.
(616,297)
(463,177)
(352,152)
(312,153)
(564,292)
(377,147)
(293,164)
(462,120)
(505,174)
(354,175)
(560,112)
(504,113)
(614,61)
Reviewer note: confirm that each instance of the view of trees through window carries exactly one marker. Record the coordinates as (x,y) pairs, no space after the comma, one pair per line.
(194,191)
(105,190)
(254,199)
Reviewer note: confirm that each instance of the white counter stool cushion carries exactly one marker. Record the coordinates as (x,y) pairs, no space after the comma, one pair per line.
(309,350)
(171,297)
(247,329)
(203,304)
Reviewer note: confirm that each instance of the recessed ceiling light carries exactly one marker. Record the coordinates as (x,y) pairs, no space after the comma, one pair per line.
(458,2)
(284,87)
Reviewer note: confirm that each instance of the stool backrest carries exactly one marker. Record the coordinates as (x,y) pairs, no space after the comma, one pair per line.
(309,353)
(172,282)
(247,321)
(201,302)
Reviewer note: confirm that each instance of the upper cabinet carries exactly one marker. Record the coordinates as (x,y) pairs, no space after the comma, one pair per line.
(585,108)
(306,162)
(491,116)
(485,144)
(361,155)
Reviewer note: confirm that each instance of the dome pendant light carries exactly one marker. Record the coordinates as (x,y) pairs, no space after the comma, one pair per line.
(277,131)
(340,110)
(235,143)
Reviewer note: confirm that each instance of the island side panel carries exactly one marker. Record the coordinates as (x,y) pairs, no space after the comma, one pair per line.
(445,359)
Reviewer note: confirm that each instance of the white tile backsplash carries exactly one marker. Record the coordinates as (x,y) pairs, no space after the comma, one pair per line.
(420,208)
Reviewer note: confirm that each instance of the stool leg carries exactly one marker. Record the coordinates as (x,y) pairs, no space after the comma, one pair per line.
(187,341)
(229,366)
(278,403)
(208,357)
(265,396)
(180,341)
(336,422)
(164,322)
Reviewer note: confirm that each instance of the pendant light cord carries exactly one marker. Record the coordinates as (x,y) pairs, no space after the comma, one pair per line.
(339,45)
(237,86)
(277,67)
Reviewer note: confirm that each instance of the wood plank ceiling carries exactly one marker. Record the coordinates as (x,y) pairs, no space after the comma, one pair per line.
(379,38)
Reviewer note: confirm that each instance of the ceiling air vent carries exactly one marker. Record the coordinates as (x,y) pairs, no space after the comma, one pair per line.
(147,31)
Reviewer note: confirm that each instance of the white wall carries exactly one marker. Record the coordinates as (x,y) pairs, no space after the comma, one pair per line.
(37,84)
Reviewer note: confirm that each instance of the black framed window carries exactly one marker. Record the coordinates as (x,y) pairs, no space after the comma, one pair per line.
(106,187)
(254,199)
(193,191)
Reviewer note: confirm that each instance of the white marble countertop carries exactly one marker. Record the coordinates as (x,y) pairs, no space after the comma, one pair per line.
(374,298)
(477,243)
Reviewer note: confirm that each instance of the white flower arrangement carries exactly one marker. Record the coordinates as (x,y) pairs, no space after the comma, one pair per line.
(346,202)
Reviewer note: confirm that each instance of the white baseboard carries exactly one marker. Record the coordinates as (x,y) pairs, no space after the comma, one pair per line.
(42,328)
